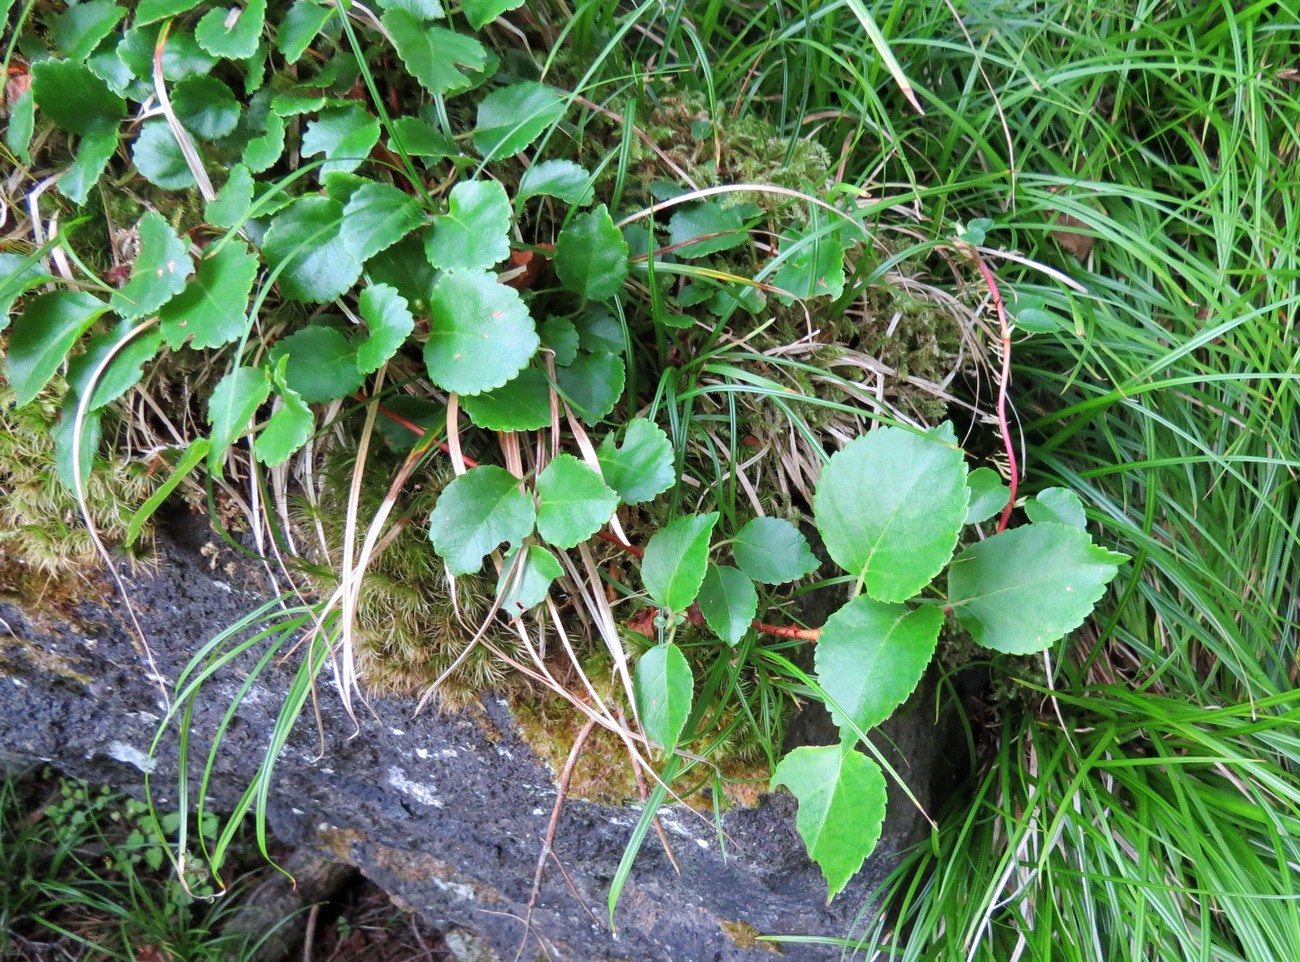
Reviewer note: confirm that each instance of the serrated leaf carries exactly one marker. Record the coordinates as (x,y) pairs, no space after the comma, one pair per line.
(424,9)
(148,11)
(205,106)
(988,495)
(18,275)
(305,240)
(482,12)
(300,26)
(1057,504)
(377,217)
(93,154)
(232,31)
(287,430)
(561,337)
(563,179)
(814,266)
(718,229)
(476,513)
(79,29)
(1021,590)
(889,507)
(22,121)
(419,139)
(480,333)
(438,58)
(525,583)
(405,268)
(388,316)
(74,98)
(322,365)
(182,56)
(574,503)
(773,551)
(592,385)
(511,118)
(474,234)
(871,655)
(841,797)
(344,135)
(122,373)
(65,457)
(232,406)
(522,404)
(664,688)
(642,466)
(676,558)
(159,272)
(264,150)
(212,310)
(158,157)
(728,602)
(591,255)
(42,335)
(232,203)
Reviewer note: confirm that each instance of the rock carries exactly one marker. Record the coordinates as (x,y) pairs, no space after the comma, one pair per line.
(445,813)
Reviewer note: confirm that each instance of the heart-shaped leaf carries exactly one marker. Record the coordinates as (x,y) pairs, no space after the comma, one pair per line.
(480,333)
(664,687)
(642,466)
(511,118)
(676,558)
(474,234)
(476,513)
(523,404)
(574,502)
(728,602)
(42,336)
(591,255)
(773,551)
(305,242)
(321,364)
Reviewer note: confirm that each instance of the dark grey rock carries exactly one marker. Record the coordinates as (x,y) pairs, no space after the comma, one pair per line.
(446,813)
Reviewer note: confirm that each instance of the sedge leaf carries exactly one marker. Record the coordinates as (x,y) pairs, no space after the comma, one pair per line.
(591,255)
(728,602)
(42,335)
(773,551)
(642,466)
(675,561)
(474,234)
(574,503)
(664,686)
(480,333)
(476,513)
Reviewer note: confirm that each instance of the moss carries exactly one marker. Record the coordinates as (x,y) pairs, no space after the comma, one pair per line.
(747,937)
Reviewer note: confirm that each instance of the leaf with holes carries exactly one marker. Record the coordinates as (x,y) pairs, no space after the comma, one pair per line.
(522,404)
(42,335)
(511,118)
(480,13)
(988,495)
(1057,504)
(378,216)
(389,319)
(75,99)
(231,31)
(675,561)
(476,513)
(322,365)
(1021,590)
(574,503)
(205,106)
(305,242)
(343,135)
(773,551)
(159,272)
(438,58)
(642,466)
(728,602)
(480,333)
(664,687)
(213,308)
(841,797)
(889,507)
(718,229)
(231,408)
(591,255)
(524,583)
(474,234)
(592,385)
(562,179)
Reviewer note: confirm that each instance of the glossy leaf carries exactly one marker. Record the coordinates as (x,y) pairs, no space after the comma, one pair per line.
(438,58)
(419,139)
(718,229)
(476,513)
(592,385)
(815,265)
(212,310)
(322,365)
(664,688)
(675,561)
(265,149)
(343,135)
(404,268)
(511,118)
(522,404)
(74,98)
(599,331)
(728,602)
(1057,504)
(871,655)
(480,333)
(158,157)
(182,56)
(1022,589)
(232,407)
(205,106)
(889,507)
(424,9)
(562,179)
(93,154)
(841,796)
(525,583)
(574,503)
(80,28)
(41,337)
(377,217)
(148,11)
(482,12)
(389,319)
(288,429)
(474,234)
(123,371)
(591,255)
(301,24)
(773,551)
(561,338)
(232,31)
(159,272)
(642,466)
(988,495)
(305,240)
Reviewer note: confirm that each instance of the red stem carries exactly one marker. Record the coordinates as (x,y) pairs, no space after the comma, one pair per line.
(1003,380)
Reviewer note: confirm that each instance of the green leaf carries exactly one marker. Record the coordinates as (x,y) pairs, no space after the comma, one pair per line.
(344,135)
(419,139)
(212,310)
(75,99)
(664,687)
(287,430)
(205,106)
(676,558)
(377,217)
(22,121)
(122,373)
(387,315)
(65,458)
(18,275)
(1057,504)
(600,331)
(232,31)
(773,551)
(474,234)
(232,203)
(435,56)
(42,336)
(159,271)
(525,583)
(263,151)
(301,24)
(591,255)
(93,154)
(511,118)
(182,56)
(424,9)
(720,228)
(889,507)
(815,265)
(871,655)
(728,602)
(405,268)
(841,796)
(195,452)
(479,13)
(480,333)
(476,513)
(305,240)
(574,503)
(988,495)
(158,157)
(1021,590)
(149,11)
(79,29)
(232,407)
(523,404)
(556,178)
(322,365)
(1029,313)
(642,466)
(592,385)
(414,412)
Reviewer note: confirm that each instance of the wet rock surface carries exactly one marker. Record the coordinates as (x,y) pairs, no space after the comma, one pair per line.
(445,813)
